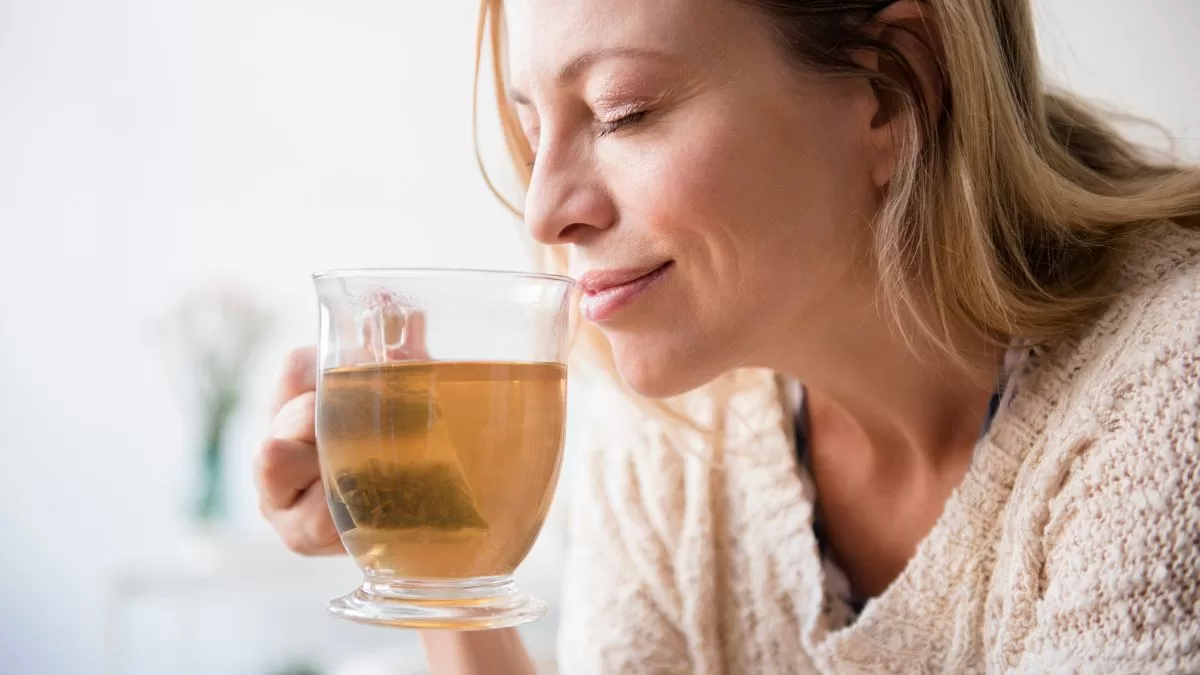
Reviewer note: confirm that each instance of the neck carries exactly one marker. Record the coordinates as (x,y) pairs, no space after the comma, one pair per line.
(901,405)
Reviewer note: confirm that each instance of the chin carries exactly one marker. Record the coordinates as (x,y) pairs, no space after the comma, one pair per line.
(658,372)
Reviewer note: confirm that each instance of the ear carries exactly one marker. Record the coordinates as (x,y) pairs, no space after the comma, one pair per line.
(910,32)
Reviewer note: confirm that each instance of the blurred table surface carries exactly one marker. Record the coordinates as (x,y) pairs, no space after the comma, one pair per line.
(238,604)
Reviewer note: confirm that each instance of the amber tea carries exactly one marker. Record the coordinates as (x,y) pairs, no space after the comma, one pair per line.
(441,470)
(439,474)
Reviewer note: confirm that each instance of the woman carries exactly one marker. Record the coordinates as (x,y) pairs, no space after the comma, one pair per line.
(938,329)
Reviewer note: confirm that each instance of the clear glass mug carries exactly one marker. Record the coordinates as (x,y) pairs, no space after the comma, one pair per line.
(441,402)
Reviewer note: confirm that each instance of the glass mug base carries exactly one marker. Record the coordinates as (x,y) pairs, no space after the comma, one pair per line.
(471,604)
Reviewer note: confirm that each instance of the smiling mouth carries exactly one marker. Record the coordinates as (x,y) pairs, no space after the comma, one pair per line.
(606,293)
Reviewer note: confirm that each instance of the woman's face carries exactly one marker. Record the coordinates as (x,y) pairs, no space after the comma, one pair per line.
(715,198)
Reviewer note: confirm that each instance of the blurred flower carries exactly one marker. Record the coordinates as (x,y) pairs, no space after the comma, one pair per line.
(213,335)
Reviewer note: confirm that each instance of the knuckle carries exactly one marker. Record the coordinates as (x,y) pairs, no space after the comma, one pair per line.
(296,419)
(318,522)
(306,403)
(270,454)
(307,527)
(322,531)
(273,457)
(297,358)
(295,540)
(301,406)
(298,363)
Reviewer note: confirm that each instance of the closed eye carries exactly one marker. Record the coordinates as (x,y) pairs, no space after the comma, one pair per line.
(609,127)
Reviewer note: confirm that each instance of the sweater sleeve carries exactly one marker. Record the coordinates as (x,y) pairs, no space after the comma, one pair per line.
(1121,584)
(620,604)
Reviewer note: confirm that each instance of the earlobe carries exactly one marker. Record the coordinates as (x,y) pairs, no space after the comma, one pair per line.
(883,154)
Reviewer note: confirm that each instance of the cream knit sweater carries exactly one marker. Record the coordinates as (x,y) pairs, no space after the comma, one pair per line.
(1071,546)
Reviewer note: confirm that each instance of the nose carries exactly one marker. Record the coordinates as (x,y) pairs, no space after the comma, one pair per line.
(567,201)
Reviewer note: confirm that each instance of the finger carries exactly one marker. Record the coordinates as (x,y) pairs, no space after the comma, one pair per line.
(295,419)
(284,469)
(299,375)
(413,339)
(307,527)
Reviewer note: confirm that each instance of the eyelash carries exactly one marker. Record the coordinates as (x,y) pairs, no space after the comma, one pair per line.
(607,128)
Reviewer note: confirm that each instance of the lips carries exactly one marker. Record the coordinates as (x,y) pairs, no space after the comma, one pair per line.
(606,292)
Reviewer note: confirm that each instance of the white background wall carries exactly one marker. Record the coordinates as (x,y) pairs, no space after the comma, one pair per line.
(151,146)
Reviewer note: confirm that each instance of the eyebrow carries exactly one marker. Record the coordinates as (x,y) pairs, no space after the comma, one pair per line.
(582,62)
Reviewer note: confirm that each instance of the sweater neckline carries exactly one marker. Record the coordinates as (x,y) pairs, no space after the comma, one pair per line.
(843,604)
(784,503)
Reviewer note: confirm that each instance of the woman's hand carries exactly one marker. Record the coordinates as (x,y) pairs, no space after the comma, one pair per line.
(486,652)
(287,473)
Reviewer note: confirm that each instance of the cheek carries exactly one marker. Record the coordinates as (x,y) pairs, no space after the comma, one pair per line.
(748,205)
(682,186)
(758,216)
(682,200)
(690,179)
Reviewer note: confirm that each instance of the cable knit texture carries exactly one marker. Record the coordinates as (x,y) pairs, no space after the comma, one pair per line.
(1071,546)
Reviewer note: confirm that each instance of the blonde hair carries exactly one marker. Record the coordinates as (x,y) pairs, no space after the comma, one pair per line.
(1013,204)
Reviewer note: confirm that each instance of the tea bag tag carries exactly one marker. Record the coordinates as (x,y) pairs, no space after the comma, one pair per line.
(391,330)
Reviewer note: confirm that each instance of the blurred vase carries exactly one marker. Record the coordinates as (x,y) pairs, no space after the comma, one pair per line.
(209,506)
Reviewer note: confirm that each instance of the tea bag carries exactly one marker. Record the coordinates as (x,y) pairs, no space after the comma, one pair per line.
(406,473)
